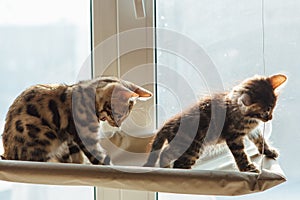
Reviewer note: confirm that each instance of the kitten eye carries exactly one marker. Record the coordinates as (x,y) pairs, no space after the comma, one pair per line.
(256,115)
(269,109)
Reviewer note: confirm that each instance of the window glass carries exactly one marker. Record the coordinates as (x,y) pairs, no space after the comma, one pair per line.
(41,42)
(231,35)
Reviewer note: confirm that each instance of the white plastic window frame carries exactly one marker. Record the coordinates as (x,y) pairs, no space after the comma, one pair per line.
(109,19)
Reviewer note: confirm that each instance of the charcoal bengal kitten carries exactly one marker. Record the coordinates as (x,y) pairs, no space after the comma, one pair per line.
(227,117)
(56,123)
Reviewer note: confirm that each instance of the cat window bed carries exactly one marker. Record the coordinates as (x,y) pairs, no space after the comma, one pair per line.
(215,176)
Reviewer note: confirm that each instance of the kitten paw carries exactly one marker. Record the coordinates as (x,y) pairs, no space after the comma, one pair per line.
(251,168)
(271,153)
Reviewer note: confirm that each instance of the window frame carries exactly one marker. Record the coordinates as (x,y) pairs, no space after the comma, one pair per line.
(109,19)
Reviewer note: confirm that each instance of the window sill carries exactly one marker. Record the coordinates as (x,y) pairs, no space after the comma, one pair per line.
(209,182)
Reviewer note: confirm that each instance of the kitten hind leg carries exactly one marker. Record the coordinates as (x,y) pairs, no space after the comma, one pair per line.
(156,148)
(169,154)
(151,161)
(166,157)
(184,162)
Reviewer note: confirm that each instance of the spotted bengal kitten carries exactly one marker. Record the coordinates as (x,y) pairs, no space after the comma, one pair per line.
(227,117)
(56,123)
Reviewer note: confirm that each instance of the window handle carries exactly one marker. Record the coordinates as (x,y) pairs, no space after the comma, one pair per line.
(139,8)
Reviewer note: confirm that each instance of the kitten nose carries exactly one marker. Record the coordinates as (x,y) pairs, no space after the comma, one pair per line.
(266,117)
(270,117)
(117,124)
(113,123)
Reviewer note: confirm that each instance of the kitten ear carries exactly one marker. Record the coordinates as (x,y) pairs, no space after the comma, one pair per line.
(245,99)
(277,80)
(142,93)
(125,93)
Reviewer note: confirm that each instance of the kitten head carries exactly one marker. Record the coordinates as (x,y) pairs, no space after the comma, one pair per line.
(257,96)
(115,100)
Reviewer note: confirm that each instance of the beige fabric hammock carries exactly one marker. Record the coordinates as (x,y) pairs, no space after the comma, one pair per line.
(213,175)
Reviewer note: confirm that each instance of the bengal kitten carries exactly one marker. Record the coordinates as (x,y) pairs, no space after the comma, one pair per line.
(56,123)
(226,117)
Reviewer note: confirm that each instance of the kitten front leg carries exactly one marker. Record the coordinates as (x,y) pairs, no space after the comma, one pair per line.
(90,146)
(237,149)
(95,154)
(190,156)
(259,141)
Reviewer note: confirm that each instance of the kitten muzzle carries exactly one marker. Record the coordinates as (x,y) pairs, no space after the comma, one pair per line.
(266,117)
(262,117)
(113,123)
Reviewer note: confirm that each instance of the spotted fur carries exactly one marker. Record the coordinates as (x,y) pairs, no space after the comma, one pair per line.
(56,123)
(220,118)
